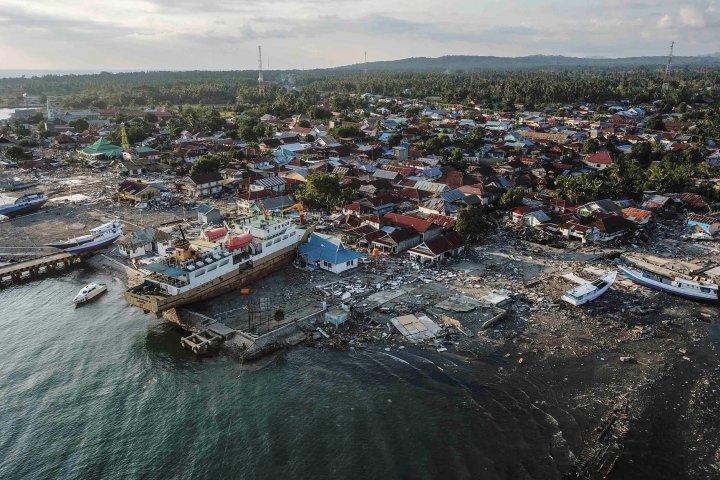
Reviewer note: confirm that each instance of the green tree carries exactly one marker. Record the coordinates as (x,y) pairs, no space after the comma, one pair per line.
(641,152)
(435,145)
(473,223)
(79,125)
(655,123)
(323,191)
(20,130)
(14,153)
(317,113)
(207,164)
(513,197)
(42,129)
(394,140)
(457,160)
(347,131)
(591,145)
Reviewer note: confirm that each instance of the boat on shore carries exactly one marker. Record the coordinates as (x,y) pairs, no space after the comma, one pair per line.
(590,291)
(691,289)
(98,238)
(28,203)
(89,292)
(201,269)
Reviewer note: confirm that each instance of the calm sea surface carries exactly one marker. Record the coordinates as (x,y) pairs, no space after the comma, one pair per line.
(105,392)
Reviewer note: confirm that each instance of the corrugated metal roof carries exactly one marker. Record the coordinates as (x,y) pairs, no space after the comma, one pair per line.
(273,181)
(431,186)
(385,174)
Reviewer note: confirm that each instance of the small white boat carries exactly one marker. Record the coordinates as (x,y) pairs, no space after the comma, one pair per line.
(590,291)
(89,292)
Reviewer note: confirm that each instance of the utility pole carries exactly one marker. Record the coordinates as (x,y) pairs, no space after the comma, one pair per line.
(666,78)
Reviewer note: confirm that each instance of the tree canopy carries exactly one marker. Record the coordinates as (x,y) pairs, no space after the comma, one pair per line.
(474,224)
(207,164)
(323,191)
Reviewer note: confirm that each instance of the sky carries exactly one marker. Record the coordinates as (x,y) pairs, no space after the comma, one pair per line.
(224,34)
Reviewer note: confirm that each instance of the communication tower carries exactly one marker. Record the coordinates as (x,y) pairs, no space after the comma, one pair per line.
(261,80)
(666,78)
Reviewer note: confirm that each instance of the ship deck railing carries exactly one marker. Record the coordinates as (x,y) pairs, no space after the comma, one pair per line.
(171,262)
(158,277)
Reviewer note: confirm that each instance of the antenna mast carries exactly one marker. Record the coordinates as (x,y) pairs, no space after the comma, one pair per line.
(261,80)
(365,68)
(666,78)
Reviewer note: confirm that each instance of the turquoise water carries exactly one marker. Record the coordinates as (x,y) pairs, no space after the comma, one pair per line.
(105,392)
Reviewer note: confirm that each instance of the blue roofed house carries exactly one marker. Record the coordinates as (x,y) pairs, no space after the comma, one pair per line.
(328,253)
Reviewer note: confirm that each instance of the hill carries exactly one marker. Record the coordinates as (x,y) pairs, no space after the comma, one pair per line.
(531,62)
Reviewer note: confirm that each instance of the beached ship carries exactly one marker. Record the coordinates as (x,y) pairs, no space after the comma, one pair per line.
(28,203)
(99,237)
(202,269)
(590,291)
(676,286)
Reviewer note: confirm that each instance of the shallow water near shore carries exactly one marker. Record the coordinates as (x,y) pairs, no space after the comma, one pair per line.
(104,391)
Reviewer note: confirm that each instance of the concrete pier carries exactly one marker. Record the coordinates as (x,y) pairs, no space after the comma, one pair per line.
(37,267)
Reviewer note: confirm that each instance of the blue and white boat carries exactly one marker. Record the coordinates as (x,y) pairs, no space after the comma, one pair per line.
(29,202)
(99,237)
(678,286)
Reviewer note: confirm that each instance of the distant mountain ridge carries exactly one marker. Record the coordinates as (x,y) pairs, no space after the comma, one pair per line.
(474,62)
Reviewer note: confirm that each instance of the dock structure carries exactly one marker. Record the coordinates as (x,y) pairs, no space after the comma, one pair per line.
(36,267)
(207,339)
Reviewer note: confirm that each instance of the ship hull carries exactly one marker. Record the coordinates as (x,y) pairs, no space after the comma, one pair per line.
(12,212)
(672,290)
(86,247)
(69,244)
(222,284)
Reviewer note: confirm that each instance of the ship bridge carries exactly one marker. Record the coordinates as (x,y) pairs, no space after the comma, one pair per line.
(264,228)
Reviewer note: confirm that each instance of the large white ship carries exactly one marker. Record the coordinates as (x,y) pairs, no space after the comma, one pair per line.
(202,269)
(707,292)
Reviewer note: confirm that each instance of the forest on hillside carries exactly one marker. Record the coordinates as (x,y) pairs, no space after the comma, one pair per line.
(300,92)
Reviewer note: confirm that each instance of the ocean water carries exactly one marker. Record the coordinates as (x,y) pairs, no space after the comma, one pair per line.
(106,392)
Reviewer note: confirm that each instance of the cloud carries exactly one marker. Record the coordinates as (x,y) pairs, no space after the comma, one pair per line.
(692,17)
(166,34)
(664,22)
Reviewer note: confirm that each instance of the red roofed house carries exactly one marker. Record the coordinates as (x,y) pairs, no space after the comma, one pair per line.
(637,215)
(449,244)
(519,213)
(599,161)
(427,230)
